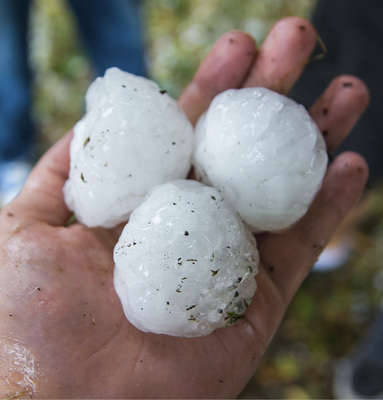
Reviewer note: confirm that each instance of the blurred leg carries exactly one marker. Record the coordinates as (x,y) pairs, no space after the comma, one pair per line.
(113,33)
(353,35)
(15,97)
(352,31)
(360,376)
(16,130)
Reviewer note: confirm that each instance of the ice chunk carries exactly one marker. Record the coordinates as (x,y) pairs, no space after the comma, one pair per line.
(132,137)
(185,263)
(264,154)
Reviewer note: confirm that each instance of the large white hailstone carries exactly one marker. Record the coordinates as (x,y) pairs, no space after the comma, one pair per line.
(264,153)
(185,263)
(132,137)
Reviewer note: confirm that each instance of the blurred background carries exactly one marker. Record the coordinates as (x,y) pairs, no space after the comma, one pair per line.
(179,33)
(331,312)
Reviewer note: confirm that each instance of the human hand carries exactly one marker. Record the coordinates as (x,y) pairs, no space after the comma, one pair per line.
(63,333)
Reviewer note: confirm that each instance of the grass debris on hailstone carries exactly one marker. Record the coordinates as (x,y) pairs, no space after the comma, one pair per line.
(132,137)
(185,263)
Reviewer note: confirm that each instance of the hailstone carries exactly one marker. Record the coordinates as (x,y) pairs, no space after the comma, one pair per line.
(133,136)
(185,263)
(264,154)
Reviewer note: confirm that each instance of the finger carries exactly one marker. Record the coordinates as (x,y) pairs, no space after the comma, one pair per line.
(283,55)
(42,196)
(339,108)
(299,247)
(286,259)
(224,67)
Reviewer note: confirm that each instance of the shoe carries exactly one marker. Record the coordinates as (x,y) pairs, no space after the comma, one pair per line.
(333,257)
(13,175)
(344,241)
(361,377)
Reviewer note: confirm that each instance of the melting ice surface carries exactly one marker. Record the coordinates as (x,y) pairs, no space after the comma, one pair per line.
(264,153)
(189,277)
(132,137)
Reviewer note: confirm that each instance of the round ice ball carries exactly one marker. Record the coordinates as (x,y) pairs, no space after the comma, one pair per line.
(185,263)
(132,137)
(264,153)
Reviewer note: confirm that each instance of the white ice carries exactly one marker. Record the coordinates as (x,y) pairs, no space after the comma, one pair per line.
(264,154)
(132,137)
(185,263)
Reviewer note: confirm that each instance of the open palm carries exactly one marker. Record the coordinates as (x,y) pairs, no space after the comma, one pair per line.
(62,329)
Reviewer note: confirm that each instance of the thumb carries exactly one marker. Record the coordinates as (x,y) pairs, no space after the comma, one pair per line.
(42,197)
